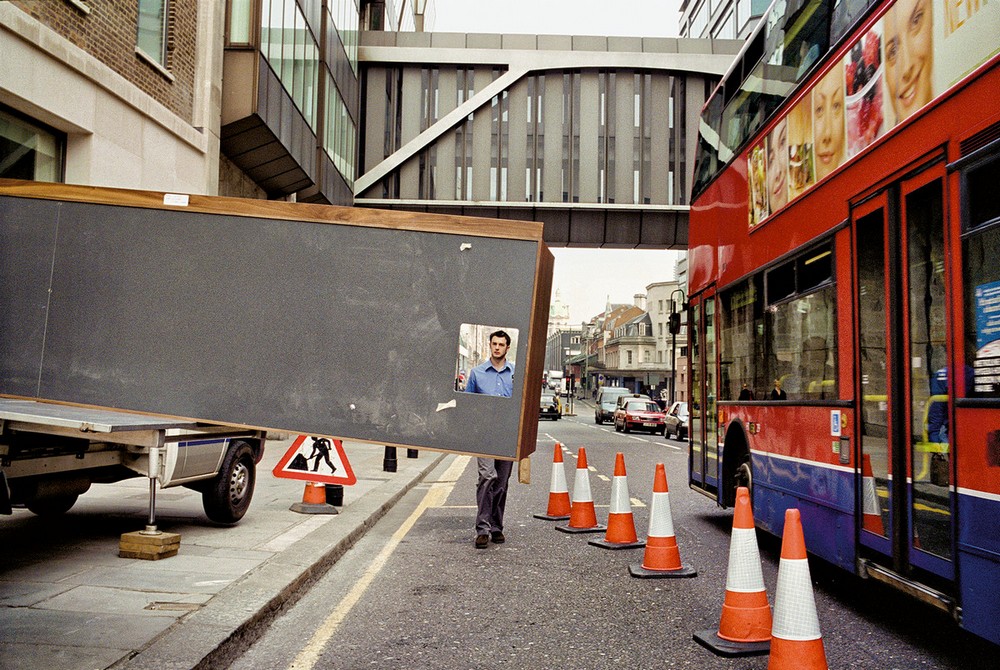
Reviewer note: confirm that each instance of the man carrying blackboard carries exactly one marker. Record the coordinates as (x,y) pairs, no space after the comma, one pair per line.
(494,377)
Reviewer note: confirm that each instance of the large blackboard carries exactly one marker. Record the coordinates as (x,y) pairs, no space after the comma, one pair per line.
(342,322)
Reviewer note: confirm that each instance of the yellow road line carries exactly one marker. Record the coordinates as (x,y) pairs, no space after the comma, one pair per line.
(435,497)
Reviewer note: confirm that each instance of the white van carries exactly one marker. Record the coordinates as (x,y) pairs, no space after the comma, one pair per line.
(607,398)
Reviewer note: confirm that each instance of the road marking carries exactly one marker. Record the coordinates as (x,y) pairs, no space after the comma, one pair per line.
(673,446)
(603,478)
(637,503)
(435,497)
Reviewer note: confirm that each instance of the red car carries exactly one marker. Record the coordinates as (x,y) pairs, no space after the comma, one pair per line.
(639,414)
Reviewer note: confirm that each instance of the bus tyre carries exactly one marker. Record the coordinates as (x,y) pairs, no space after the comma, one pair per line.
(52,505)
(744,477)
(228,496)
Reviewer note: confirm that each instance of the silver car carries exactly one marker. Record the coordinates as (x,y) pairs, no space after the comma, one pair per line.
(677,421)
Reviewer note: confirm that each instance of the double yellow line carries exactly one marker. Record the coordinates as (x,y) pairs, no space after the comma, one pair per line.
(435,497)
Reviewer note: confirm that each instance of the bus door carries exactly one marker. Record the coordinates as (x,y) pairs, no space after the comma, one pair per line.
(905,510)
(703,435)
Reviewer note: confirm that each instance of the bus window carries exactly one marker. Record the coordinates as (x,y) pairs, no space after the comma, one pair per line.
(741,342)
(801,347)
(929,434)
(781,283)
(801,325)
(982,278)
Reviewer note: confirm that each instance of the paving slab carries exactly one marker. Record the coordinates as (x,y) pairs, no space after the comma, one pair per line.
(68,601)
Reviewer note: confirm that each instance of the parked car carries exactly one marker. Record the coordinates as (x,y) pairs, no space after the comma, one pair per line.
(677,421)
(639,413)
(607,401)
(549,406)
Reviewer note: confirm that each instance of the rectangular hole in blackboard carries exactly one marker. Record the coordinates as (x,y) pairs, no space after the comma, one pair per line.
(475,342)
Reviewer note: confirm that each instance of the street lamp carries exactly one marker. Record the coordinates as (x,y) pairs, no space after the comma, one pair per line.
(675,327)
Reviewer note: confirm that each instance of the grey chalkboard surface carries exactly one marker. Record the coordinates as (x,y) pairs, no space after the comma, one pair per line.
(341,322)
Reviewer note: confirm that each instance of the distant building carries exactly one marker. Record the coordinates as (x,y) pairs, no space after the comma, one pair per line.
(560,347)
(720,19)
(664,298)
(558,315)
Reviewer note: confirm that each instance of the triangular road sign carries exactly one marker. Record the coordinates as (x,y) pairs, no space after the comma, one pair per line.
(316,459)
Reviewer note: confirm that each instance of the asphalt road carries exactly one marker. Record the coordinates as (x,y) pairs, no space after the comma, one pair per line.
(415,593)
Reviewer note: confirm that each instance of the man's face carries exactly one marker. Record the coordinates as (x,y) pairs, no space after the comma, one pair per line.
(498,348)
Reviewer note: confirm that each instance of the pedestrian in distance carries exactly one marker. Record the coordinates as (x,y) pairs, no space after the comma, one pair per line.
(746,393)
(778,393)
(493,377)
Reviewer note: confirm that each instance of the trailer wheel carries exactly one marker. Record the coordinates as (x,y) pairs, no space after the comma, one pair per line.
(227,499)
(52,505)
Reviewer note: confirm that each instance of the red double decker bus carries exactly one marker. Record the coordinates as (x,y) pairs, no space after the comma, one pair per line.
(844,291)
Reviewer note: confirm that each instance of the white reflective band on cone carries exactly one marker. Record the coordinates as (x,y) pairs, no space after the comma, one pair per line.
(620,503)
(581,487)
(794,606)
(744,574)
(871,499)
(558,479)
(660,522)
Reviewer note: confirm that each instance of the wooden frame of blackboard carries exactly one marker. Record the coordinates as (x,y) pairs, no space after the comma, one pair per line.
(431,247)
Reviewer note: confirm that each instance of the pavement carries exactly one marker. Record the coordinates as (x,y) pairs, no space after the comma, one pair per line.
(68,601)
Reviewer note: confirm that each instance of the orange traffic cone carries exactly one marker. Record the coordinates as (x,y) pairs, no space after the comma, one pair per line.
(662,558)
(796,642)
(621,523)
(582,518)
(745,626)
(314,501)
(559,506)
(872,512)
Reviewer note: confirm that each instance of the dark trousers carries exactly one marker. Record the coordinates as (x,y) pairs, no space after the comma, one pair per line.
(491,494)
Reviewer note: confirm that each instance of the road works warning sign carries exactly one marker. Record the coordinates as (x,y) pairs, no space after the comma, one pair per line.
(316,459)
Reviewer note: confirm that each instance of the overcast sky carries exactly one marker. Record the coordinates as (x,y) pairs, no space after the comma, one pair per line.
(585,278)
(641,18)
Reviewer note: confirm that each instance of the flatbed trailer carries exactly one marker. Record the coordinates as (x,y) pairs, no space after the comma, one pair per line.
(50,454)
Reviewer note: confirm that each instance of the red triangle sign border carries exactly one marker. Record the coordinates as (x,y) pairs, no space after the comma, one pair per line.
(346,477)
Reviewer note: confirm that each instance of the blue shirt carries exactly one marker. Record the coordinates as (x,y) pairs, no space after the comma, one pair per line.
(487,379)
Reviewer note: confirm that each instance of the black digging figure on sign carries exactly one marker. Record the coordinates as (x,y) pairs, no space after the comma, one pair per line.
(321,451)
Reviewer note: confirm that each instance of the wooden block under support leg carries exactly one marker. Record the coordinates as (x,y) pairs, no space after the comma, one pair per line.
(149,546)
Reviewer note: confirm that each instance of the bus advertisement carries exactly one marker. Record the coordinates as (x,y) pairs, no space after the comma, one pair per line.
(844,291)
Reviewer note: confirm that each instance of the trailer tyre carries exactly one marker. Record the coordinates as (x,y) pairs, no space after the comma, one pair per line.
(52,505)
(228,497)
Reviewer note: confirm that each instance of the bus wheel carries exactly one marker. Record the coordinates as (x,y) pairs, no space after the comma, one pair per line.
(743,477)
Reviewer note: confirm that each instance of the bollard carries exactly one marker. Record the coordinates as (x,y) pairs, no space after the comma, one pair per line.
(335,495)
(389,460)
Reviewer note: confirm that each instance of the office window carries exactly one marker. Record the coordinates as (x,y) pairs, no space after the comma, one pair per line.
(152,35)
(240,17)
(29,150)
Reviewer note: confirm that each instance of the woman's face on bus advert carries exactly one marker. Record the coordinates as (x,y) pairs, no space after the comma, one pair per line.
(777,165)
(909,56)
(828,121)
